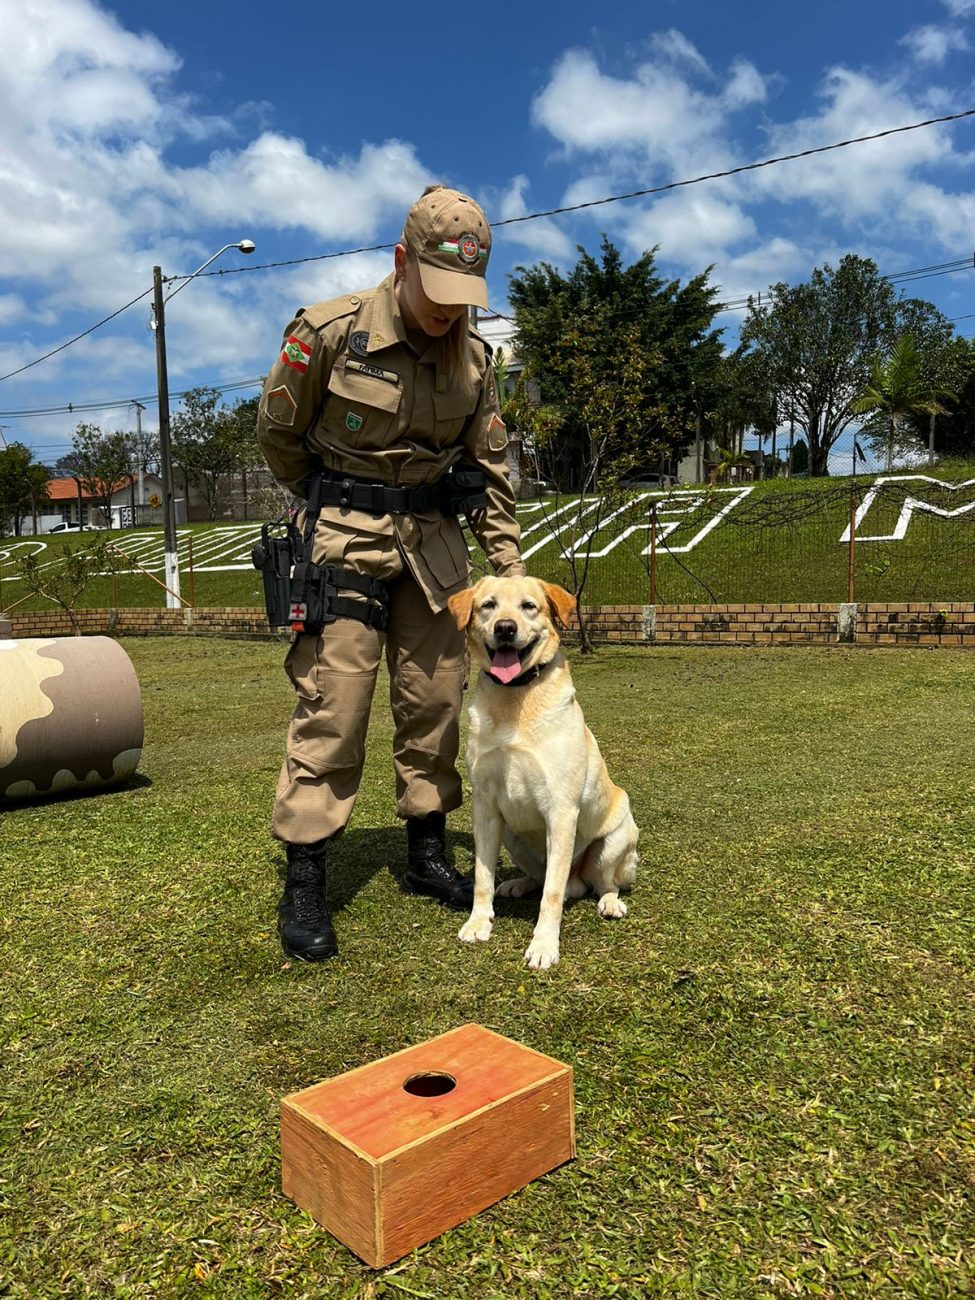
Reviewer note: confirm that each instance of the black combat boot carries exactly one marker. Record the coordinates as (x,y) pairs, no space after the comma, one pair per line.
(427,870)
(304,925)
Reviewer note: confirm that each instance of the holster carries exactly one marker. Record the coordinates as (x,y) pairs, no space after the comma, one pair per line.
(274,556)
(305,595)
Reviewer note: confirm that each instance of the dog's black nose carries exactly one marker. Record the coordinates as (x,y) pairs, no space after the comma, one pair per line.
(505,629)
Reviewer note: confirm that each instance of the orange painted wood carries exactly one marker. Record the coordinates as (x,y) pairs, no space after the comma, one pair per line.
(386,1170)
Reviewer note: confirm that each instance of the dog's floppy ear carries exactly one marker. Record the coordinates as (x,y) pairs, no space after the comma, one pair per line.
(461,605)
(561,603)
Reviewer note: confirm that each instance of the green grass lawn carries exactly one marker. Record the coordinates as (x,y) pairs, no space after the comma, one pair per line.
(780,542)
(773,1053)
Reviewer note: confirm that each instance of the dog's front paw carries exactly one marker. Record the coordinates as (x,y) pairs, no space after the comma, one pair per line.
(517,888)
(612,907)
(476,929)
(542,953)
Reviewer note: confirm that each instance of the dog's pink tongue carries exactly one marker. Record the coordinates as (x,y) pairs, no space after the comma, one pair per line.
(505,664)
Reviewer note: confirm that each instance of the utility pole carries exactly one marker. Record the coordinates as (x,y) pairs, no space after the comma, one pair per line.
(171,563)
(139,408)
(173,600)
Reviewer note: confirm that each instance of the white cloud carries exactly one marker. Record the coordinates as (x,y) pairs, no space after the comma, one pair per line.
(655,125)
(90,200)
(746,85)
(90,113)
(275,180)
(541,238)
(933,44)
(764,264)
(692,227)
(863,186)
(655,114)
(12,307)
(673,47)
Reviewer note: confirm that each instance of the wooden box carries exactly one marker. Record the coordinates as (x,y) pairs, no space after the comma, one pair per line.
(392,1154)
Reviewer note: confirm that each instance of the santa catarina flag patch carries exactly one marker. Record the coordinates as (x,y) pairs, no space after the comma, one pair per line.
(296,354)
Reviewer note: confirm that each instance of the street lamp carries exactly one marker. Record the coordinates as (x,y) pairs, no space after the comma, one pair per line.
(158,324)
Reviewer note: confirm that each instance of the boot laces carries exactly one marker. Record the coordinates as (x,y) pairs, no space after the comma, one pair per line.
(309,905)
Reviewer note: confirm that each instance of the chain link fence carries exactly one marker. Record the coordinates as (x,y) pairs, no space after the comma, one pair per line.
(902,538)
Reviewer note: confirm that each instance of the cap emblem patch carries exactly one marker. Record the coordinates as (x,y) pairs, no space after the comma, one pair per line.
(467,248)
(359,343)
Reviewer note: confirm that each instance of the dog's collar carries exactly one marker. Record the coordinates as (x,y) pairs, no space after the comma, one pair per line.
(528,676)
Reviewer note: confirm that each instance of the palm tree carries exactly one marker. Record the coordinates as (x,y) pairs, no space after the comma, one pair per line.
(898,387)
(727,462)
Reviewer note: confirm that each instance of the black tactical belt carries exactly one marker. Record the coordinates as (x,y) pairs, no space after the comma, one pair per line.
(380,498)
(462,489)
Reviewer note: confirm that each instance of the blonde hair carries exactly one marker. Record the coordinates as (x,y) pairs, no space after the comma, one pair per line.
(458,353)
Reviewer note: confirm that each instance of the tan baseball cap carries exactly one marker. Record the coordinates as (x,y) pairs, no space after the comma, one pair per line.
(451,238)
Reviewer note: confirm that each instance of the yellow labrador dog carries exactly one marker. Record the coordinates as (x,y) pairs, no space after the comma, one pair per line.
(537,776)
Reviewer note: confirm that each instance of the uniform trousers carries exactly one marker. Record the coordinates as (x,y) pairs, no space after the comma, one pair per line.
(334,675)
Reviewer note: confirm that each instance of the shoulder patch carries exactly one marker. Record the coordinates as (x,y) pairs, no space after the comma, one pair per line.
(497,434)
(280,406)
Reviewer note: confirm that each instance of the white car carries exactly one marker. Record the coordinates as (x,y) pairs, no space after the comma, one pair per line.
(71,528)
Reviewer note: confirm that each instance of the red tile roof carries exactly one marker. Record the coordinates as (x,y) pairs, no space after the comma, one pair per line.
(66,489)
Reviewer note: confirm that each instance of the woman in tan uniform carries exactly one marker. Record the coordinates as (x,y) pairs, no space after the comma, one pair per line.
(381,413)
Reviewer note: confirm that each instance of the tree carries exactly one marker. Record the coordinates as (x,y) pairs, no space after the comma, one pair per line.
(63,581)
(898,387)
(23,484)
(242,429)
(743,400)
(800,457)
(101,463)
(943,359)
(207,444)
(608,403)
(954,434)
(815,342)
(633,306)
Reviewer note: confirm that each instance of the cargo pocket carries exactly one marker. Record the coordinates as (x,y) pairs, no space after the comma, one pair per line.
(361,411)
(301,667)
(445,551)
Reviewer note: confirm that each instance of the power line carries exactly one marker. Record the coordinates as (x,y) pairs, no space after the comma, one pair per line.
(746,167)
(531,216)
(90,330)
(619,198)
(113,403)
(894,277)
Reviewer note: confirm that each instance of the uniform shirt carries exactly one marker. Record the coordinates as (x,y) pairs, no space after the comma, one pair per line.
(349,393)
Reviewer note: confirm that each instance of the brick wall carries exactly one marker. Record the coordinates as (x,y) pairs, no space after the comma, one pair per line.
(145,622)
(919,623)
(924,623)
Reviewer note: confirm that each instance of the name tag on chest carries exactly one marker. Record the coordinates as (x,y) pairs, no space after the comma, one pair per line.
(374,372)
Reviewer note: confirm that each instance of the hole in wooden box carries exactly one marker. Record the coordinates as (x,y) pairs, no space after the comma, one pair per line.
(430,1083)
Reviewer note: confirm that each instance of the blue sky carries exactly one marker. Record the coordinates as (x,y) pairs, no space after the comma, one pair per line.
(134,135)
